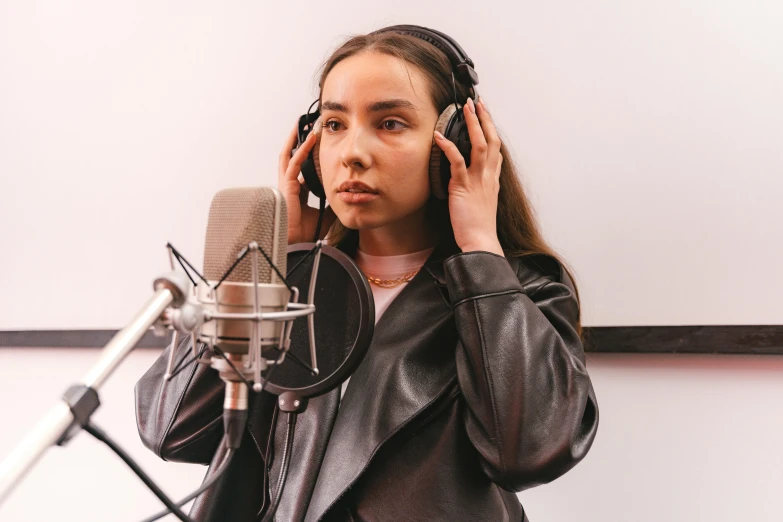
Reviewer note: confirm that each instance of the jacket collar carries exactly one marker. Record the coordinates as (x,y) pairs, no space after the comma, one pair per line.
(434,264)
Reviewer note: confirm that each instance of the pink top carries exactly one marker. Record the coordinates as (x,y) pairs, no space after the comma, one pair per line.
(387,267)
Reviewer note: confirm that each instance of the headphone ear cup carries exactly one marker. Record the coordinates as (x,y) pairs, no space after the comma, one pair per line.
(438,182)
(311,169)
(451,124)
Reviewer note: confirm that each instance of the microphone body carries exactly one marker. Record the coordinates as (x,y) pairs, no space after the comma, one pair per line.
(233,336)
(241,285)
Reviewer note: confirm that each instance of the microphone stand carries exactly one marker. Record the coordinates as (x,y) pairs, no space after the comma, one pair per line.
(73,413)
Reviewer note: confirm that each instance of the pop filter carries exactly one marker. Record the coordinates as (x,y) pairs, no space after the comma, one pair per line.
(344,321)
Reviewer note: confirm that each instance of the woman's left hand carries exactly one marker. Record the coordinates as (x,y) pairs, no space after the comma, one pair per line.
(473,192)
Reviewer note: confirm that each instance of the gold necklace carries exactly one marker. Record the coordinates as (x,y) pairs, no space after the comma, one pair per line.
(391,283)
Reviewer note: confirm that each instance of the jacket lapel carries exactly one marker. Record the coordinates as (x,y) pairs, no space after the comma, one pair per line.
(409,365)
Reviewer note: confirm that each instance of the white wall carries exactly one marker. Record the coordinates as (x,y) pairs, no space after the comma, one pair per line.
(648,135)
(682,438)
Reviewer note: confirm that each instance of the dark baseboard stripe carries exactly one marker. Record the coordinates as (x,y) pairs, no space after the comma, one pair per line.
(717,339)
(73,339)
(744,339)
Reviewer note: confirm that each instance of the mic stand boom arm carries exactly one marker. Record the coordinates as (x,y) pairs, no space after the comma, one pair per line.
(71,414)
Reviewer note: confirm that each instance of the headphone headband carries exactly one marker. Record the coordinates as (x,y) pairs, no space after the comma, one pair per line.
(460,62)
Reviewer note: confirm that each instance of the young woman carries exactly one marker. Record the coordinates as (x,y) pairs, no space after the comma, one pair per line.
(475,385)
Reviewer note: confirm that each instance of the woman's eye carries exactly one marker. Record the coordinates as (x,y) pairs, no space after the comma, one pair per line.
(393,125)
(389,125)
(332,125)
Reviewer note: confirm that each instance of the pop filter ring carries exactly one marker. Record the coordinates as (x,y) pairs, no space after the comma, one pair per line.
(361,342)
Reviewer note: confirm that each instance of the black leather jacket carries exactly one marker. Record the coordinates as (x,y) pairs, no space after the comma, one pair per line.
(474,388)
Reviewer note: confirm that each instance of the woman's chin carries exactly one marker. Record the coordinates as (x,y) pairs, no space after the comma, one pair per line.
(357,224)
(358,218)
(355,221)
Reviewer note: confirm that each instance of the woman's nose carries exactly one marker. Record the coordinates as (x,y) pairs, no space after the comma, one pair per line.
(355,153)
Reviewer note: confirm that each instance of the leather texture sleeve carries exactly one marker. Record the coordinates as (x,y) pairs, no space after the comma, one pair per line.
(180,420)
(531,409)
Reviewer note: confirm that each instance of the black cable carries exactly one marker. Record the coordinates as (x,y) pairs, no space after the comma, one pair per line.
(320,219)
(238,260)
(205,486)
(309,253)
(241,256)
(311,106)
(178,255)
(239,374)
(289,439)
(277,271)
(297,360)
(267,463)
(99,434)
(184,363)
(301,363)
(184,269)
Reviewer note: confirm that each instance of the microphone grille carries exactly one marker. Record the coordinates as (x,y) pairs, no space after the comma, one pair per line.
(238,216)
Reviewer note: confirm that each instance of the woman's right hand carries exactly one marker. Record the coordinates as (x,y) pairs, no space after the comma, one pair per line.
(302,218)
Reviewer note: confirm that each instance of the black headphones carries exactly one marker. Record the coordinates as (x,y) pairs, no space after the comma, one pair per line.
(451,122)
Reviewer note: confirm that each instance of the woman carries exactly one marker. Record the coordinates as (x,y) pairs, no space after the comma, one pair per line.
(475,385)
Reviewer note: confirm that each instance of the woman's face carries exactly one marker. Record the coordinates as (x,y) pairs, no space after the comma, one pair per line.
(378,120)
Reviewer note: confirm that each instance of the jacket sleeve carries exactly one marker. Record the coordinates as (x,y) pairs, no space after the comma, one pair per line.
(531,409)
(180,420)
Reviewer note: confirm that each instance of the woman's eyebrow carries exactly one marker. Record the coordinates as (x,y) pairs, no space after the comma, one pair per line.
(384,105)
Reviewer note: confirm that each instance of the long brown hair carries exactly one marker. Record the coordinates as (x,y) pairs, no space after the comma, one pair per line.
(517,226)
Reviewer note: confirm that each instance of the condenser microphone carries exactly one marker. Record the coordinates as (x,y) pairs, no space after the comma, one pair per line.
(246,305)
(245,309)
(245,254)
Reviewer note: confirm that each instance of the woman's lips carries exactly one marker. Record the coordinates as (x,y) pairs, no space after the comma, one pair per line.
(357,197)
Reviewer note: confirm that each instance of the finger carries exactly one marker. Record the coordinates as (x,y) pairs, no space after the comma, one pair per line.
(295,165)
(490,134)
(458,169)
(304,191)
(478,143)
(285,154)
